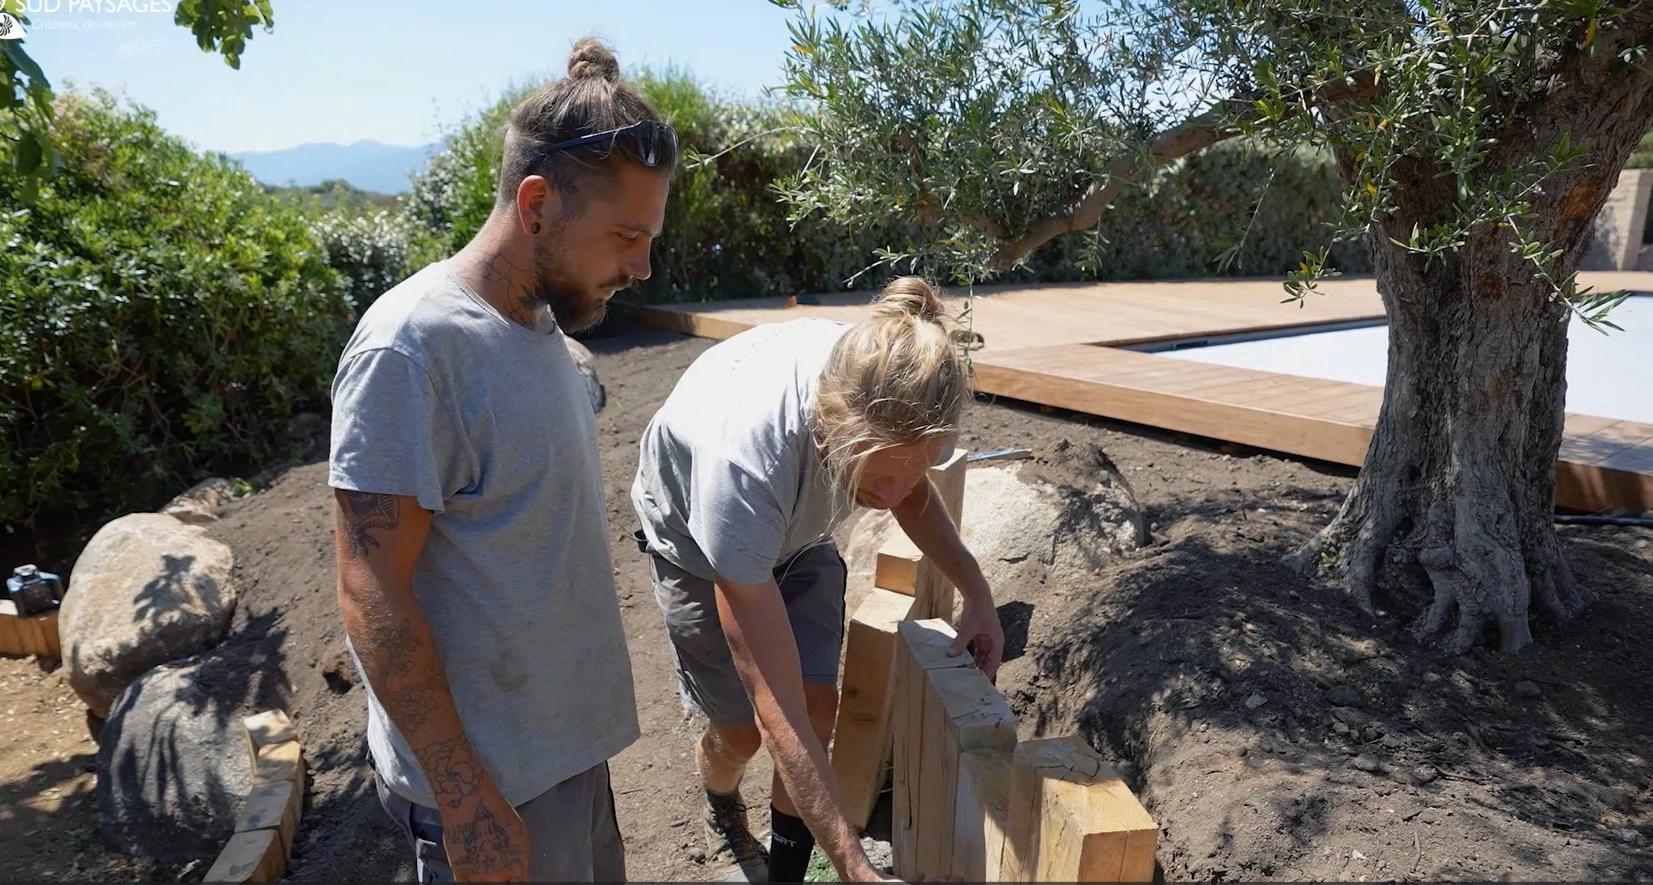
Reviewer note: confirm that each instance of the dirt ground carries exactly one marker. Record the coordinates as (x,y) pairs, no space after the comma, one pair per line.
(1273,730)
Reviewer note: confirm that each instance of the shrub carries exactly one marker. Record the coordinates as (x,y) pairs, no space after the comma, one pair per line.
(160,316)
(372,253)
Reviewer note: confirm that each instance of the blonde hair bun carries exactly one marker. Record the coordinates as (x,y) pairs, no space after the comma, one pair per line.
(909,296)
(592,60)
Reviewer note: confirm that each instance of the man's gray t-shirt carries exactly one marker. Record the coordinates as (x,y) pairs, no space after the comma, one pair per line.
(729,479)
(488,425)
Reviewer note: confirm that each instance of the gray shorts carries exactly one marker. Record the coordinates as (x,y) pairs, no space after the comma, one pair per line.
(573,835)
(812,585)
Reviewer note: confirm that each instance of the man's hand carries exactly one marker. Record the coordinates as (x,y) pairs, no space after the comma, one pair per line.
(487,842)
(979,631)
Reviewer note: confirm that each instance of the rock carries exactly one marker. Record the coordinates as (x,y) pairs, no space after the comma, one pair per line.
(1528,689)
(1368,763)
(1425,774)
(1340,728)
(588,370)
(147,589)
(1054,519)
(172,771)
(312,433)
(1431,678)
(1256,700)
(200,504)
(1344,696)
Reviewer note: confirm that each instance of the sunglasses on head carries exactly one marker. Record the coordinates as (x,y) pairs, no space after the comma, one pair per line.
(650,142)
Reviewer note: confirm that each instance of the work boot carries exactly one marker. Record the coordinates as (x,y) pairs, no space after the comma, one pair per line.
(730,843)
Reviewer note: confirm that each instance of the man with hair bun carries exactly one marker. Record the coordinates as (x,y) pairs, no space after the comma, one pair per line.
(475,581)
(766,444)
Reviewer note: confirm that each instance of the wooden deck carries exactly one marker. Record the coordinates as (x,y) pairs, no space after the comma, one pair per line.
(1061,346)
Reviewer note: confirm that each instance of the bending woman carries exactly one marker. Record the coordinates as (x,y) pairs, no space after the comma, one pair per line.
(767,443)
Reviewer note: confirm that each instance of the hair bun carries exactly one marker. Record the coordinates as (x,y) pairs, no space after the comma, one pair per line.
(909,296)
(592,60)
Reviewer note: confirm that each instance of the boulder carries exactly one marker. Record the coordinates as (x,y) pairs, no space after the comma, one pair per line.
(1066,511)
(199,505)
(147,589)
(172,764)
(588,370)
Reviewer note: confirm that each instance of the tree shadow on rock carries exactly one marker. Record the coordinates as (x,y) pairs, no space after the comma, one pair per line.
(172,760)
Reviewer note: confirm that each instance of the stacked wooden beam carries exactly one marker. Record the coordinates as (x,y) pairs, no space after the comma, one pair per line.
(969,800)
(906,586)
(264,831)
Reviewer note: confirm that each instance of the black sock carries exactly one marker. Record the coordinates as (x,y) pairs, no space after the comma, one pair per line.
(790,844)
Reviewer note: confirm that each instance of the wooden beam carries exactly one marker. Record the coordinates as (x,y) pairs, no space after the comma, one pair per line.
(22,637)
(921,647)
(861,740)
(1072,819)
(271,806)
(931,589)
(962,711)
(252,856)
(981,814)
(896,567)
(266,729)
(943,707)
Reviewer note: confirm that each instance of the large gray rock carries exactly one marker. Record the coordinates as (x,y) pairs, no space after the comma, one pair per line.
(1063,513)
(172,763)
(147,589)
(588,370)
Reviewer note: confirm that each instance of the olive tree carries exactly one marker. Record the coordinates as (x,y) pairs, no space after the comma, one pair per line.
(1476,140)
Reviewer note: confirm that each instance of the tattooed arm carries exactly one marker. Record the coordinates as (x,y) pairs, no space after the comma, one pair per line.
(379,539)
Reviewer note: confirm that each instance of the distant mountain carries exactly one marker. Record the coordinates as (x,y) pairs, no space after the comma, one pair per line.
(369,165)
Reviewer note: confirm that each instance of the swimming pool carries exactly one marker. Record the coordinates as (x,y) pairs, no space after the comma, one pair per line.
(1607,374)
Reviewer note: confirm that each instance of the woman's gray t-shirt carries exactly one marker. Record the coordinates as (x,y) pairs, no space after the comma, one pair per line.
(729,480)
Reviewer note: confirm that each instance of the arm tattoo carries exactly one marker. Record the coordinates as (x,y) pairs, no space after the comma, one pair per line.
(363,512)
(452,769)
(486,841)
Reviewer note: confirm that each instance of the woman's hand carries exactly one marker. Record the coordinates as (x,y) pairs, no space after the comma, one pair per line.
(980,632)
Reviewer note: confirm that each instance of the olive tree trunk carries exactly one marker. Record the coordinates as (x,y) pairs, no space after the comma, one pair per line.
(1453,508)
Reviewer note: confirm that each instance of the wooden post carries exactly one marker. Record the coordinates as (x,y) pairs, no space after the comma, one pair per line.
(981,814)
(931,589)
(902,568)
(1072,819)
(943,707)
(861,741)
(268,823)
(896,567)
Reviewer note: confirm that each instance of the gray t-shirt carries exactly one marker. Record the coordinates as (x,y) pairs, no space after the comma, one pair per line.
(488,425)
(729,481)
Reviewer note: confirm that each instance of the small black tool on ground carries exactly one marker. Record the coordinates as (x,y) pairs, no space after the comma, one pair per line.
(33,591)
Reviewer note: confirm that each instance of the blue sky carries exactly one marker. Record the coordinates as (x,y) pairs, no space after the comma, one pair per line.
(348,70)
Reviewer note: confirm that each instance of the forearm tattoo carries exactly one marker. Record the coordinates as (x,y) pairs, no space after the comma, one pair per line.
(486,841)
(365,512)
(453,770)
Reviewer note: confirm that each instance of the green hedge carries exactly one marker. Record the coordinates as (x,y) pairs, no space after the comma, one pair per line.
(727,235)
(161,316)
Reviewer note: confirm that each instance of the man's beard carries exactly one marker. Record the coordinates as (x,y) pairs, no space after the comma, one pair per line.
(572,304)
